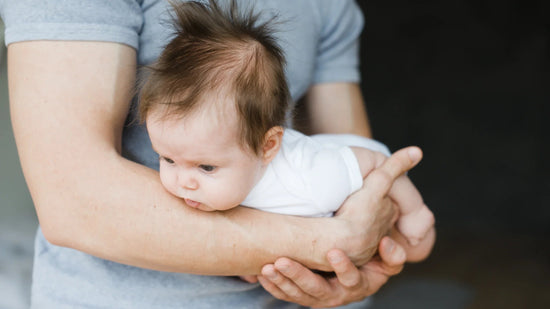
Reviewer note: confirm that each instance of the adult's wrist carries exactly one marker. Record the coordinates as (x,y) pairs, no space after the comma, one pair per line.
(366,221)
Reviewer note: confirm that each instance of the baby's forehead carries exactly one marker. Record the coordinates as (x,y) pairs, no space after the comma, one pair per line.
(217,110)
(218,104)
(218,100)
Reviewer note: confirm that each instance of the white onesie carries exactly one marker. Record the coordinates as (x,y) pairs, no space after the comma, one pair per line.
(311,175)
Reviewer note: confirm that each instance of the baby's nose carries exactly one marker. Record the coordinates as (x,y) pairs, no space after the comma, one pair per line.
(188,182)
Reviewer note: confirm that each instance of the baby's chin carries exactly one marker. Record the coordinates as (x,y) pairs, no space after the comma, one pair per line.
(204,207)
(198,205)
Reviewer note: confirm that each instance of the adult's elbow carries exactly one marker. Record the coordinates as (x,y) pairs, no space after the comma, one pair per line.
(57,229)
(54,234)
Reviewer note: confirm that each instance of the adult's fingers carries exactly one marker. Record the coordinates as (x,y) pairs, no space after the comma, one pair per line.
(307,281)
(272,288)
(282,287)
(389,263)
(392,255)
(380,180)
(351,284)
(347,273)
(317,291)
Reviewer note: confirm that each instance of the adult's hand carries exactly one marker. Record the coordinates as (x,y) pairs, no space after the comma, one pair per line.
(290,281)
(369,214)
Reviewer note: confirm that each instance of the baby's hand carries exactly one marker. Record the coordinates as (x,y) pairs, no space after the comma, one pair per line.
(416,224)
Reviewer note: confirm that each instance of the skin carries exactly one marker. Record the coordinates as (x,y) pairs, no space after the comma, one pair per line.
(415,218)
(291,281)
(288,280)
(202,160)
(335,108)
(68,102)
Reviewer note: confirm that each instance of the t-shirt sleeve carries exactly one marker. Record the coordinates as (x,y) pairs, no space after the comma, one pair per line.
(338,49)
(98,20)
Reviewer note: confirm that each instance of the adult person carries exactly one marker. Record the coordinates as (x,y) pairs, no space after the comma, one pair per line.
(110,235)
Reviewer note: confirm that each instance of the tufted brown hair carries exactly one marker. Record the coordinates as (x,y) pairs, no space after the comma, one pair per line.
(217,49)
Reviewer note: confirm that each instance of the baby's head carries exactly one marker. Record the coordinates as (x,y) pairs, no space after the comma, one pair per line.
(215,103)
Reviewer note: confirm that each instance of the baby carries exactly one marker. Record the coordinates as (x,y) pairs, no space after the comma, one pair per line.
(215,105)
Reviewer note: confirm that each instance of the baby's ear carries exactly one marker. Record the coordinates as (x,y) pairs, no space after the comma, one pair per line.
(272,143)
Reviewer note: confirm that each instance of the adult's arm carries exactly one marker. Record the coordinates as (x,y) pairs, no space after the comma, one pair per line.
(339,108)
(68,104)
(336,107)
(288,280)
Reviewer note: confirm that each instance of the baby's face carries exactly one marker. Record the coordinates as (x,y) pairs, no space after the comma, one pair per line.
(202,161)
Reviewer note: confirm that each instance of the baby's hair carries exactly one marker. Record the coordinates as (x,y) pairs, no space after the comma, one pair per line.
(220,49)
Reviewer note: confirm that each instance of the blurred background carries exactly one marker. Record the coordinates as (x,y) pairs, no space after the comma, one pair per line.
(466,80)
(469,82)
(17,218)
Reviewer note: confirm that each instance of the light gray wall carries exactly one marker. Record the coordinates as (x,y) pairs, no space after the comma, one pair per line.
(17,217)
(15,201)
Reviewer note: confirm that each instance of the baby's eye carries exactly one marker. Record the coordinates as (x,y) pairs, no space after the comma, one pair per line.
(168,160)
(207,168)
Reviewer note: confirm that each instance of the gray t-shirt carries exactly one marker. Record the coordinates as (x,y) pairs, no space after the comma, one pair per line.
(320,40)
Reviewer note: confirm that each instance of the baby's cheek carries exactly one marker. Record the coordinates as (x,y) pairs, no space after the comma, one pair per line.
(167,182)
(226,198)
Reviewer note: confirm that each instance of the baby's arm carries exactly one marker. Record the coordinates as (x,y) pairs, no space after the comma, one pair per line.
(418,252)
(415,219)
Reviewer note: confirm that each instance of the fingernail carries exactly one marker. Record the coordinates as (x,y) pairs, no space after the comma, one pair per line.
(415,154)
(271,275)
(390,246)
(282,267)
(400,254)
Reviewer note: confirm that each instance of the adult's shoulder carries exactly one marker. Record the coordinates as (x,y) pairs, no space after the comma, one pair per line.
(98,20)
(338,46)
(338,10)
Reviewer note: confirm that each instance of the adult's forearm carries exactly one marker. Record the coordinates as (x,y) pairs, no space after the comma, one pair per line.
(117,210)
(337,108)
(68,103)
(150,228)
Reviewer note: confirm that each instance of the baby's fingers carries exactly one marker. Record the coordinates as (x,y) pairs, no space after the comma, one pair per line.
(415,225)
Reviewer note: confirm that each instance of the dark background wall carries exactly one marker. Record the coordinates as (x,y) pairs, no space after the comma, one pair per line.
(468,81)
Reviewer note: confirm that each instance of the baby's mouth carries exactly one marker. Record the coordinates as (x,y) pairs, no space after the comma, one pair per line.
(192,203)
